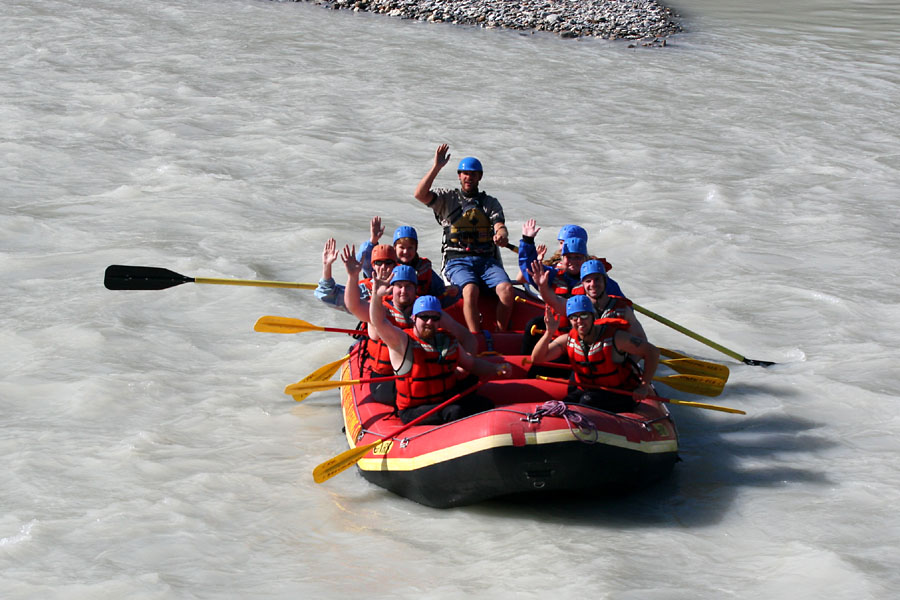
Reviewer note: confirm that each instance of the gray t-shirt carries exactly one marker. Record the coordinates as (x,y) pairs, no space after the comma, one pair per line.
(447,202)
(449,206)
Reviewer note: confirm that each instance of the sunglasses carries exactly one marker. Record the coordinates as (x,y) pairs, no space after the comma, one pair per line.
(583,316)
(382,263)
(429,317)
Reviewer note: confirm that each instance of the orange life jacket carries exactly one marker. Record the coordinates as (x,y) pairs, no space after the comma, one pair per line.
(564,290)
(564,285)
(433,371)
(600,363)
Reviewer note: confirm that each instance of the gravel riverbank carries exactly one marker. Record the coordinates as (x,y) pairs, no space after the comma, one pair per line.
(644,20)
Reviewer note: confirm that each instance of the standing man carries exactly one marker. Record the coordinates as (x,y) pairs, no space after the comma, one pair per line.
(474,226)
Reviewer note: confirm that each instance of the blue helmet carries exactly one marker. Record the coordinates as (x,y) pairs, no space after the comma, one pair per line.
(568,231)
(405,231)
(426,304)
(574,245)
(592,266)
(579,304)
(403,273)
(470,163)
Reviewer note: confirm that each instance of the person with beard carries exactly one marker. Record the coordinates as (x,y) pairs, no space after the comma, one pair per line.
(474,228)
(602,354)
(430,359)
(607,304)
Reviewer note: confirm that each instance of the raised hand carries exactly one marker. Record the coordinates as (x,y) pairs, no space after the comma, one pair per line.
(530,228)
(541,252)
(329,254)
(442,156)
(348,255)
(380,289)
(551,321)
(539,275)
(376,230)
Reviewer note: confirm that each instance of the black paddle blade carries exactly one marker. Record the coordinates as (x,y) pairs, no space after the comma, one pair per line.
(122,277)
(758,363)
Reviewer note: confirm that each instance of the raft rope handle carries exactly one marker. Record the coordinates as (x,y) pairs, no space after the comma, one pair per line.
(558,408)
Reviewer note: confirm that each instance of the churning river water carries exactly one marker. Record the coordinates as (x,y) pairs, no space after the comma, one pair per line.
(743,181)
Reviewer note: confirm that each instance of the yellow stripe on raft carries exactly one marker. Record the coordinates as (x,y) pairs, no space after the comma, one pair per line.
(506,439)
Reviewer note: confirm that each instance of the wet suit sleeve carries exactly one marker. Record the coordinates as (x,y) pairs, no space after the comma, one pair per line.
(527,255)
(331,293)
(364,256)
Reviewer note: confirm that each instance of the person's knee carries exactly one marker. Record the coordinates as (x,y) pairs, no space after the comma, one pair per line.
(470,291)
(505,291)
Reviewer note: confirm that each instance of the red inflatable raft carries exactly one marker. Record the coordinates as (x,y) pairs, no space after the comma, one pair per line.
(529,443)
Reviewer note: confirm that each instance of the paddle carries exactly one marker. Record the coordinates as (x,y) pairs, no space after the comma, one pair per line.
(122,277)
(694,384)
(677,327)
(348,458)
(691,384)
(318,386)
(323,373)
(682,364)
(693,366)
(270,324)
(700,338)
(657,398)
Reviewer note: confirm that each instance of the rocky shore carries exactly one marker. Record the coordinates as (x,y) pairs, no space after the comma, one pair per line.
(643,20)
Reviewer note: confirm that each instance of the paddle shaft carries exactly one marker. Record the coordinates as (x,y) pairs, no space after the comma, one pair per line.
(676,327)
(700,338)
(347,459)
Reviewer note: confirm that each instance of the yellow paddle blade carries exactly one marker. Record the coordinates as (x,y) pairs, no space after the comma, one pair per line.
(341,462)
(692,366)
(270,324)
(694,384)
(707,406)
(323,373)
(672,353)
(317,386)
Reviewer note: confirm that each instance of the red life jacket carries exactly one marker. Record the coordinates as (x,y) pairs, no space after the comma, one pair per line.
(423,275)
(432,373)
(600,363)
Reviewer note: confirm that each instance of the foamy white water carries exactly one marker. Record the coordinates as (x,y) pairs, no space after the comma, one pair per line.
(742,181)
